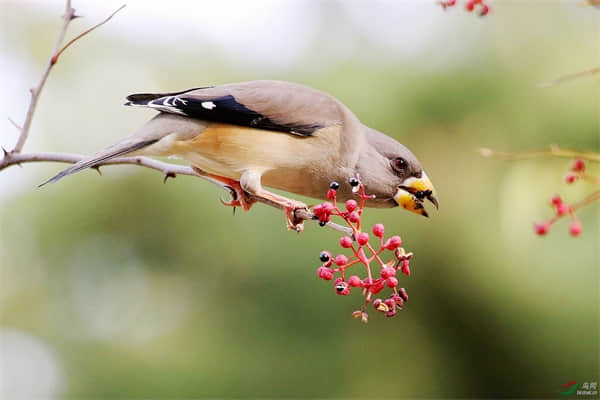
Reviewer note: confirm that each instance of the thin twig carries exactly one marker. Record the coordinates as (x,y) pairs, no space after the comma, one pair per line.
(82,34)
(569,77)
(553,151)
(58,49)
(168,170)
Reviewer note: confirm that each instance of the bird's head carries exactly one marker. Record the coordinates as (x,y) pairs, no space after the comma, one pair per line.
(392,172)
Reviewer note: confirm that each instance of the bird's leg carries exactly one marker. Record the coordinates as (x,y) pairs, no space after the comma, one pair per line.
(250,182)
(239,197)
(289,206)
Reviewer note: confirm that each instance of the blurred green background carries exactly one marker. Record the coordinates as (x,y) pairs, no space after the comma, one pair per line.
(123,287)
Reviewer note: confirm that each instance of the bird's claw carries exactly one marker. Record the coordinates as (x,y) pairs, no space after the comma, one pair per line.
(239,198)
(292,221)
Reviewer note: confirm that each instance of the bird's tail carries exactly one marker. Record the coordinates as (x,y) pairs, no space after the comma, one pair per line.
(116,150)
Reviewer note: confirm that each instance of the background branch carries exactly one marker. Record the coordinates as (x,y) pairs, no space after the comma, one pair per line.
(553,151)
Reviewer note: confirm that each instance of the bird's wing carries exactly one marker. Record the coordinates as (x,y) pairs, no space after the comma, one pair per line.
(271,105)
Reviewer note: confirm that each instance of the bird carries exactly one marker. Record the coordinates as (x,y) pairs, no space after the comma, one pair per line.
(250,135)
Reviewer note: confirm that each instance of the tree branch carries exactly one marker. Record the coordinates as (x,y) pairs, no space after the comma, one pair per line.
(168,170)
(15,157)
(58,49)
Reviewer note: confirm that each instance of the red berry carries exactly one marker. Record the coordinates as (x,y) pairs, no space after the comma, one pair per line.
(318,210)
(354,217)
(542,228)
(331,193)
(450,3)
(556,200)
(570,178)
(346,242)
(390,313)
(485,9)
(578,165)
(391,282)
(354,281)
(575,228)
(342,288)
(390,303)
(393,243)
(351,205)
(379,305)
(363,238)
(470,6)
(562,209)
(406,267)
(388,272)
(340,259)
(378,230)
(376,287)
(403,294)
(398,300)
(325,273)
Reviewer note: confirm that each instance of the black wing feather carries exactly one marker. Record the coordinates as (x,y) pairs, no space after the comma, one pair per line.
(220,109)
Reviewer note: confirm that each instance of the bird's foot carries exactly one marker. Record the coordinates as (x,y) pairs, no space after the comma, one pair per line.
(239,197)
(292,221)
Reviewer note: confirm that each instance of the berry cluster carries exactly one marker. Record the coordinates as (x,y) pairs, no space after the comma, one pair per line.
(562,209)
(363,253)
(479,5)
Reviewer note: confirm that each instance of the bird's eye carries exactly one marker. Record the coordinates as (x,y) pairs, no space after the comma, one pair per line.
(399,164)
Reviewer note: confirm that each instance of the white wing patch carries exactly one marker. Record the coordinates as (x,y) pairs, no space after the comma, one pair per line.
(166,104)
(209,105)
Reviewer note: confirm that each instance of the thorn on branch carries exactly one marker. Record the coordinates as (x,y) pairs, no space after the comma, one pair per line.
(19,127)
(169,174)
(97,168)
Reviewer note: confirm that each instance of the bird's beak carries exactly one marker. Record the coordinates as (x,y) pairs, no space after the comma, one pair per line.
(411,193)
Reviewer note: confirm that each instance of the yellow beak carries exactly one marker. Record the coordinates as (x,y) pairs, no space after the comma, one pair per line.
(411,193)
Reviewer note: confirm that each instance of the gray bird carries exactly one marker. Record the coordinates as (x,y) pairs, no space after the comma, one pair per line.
(278,134)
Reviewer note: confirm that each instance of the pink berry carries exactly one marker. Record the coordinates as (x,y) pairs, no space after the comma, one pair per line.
(578,165)
(406,267)
(378,230)
(340,259)
(354,217)
(390,313)
(331,193)
(575,228)
(570,178)
(354,281)
(562,209)
(351,205)
(470,6)
(391,282)
(542,228)
(388,272)
(556,200)
(363,238)
(403,294)
(346,242)
(325,273)
(393,243)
